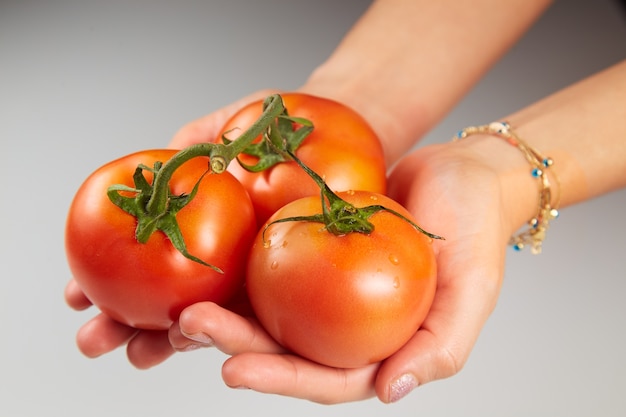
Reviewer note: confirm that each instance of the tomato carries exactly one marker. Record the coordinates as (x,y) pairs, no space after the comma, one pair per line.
(343,301)
(146,285)
(342,148)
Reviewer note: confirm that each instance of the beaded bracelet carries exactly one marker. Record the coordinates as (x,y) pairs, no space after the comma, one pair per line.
(538,225)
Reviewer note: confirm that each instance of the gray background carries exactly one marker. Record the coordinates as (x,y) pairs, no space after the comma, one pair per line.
(83,82)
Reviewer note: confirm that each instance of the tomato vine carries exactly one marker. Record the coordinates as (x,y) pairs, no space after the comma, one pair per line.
(153,204)
(155,207)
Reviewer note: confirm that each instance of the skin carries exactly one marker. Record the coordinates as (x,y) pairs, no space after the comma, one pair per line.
(435,63)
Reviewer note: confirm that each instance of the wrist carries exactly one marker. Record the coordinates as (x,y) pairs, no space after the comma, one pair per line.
(540,166)
(519,189)
(481,186)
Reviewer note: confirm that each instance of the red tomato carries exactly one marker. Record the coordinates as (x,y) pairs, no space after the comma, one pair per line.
(343,301)
(343,149)
(147,285)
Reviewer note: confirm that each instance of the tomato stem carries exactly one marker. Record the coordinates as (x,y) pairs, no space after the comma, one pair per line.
(221,155)
(155,207)
(340,217)
(282,134)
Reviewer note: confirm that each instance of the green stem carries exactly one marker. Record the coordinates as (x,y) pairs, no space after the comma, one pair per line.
(153,205)
(220,155)
(340,217)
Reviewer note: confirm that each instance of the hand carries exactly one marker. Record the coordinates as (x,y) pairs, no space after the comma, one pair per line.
(452,192)
(101,334)
(449,190)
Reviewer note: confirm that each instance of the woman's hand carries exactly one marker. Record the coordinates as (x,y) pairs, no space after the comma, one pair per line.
(452,192)
(258,362)
(455,190)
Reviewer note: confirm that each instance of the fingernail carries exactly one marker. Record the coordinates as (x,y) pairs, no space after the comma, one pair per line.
(202,338)
(401,387)
(190,347)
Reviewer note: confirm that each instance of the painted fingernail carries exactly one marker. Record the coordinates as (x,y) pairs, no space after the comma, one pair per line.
(401,387)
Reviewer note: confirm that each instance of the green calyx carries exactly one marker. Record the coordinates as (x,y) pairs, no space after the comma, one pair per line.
(147,223)
(340,217)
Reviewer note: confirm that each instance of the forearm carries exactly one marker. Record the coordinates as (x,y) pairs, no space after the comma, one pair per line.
(406,63)
(581,128)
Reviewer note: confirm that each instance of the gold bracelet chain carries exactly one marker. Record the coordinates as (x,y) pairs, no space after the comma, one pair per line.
(535,234)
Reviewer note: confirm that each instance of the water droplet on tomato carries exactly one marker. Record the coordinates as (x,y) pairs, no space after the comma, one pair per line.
(394,259)
(373,198)
(284,244)
(274,265)
(267,244)
(396,282)
(350,192)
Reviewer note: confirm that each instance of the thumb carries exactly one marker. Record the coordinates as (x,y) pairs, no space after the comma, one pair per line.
(441,347)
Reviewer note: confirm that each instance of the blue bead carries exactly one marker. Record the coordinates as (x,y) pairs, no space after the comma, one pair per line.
(536,172)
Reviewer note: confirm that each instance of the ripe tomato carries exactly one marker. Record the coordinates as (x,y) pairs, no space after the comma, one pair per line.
(342,148)
(343,301)
(147,285)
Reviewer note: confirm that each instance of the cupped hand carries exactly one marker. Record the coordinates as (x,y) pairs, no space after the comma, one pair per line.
(452,193)
(258,362)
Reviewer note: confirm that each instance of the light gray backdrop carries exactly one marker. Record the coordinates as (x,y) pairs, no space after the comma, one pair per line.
(83,82)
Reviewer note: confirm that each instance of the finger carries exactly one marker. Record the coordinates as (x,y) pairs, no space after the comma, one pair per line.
(181,343)
(294,376)
(443,344)
(209,324)
(206,128)
(74,296)
(149,348)
(101,335)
